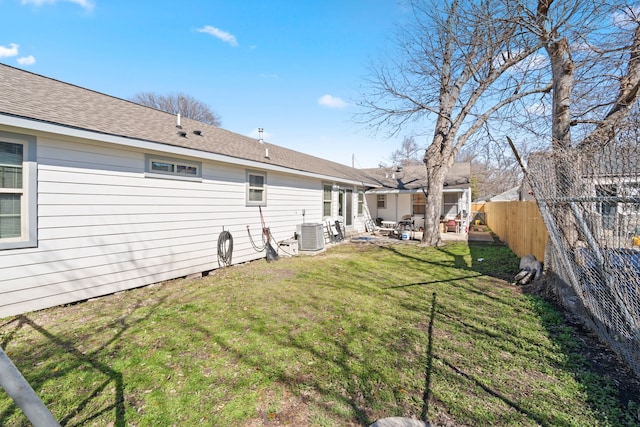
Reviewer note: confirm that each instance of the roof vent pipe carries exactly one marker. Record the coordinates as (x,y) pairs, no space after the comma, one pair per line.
(178,121)
(260,136)
(266,152)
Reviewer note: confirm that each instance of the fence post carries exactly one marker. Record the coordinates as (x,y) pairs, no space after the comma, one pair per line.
(21,392)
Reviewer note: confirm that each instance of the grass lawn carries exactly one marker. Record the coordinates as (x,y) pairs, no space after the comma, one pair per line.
(353,334)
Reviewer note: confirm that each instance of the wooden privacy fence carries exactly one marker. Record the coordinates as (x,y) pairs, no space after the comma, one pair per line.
(518,224)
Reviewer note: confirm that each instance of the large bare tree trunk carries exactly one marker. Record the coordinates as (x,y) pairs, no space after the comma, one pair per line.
(437,160)
(562,68)
(433,209)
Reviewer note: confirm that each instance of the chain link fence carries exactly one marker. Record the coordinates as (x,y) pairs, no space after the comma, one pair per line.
(590,203)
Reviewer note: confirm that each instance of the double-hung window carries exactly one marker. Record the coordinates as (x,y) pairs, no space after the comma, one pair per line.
(256,188)
(327,196)
(18,224)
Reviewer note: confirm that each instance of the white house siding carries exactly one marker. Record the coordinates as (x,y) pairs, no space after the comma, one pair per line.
(104,227)
(401,204)
(398,205)
(388,213)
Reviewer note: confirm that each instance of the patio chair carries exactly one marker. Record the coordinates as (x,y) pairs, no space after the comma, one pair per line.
(452,226)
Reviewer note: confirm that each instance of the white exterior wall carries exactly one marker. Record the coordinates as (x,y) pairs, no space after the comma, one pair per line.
(398,205)
(405,205)
(401,204)
(389,212)
(104,227)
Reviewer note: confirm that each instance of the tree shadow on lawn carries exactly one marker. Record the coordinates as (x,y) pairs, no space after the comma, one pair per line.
(588,360)
(494,259)
(46,363)
(446,312)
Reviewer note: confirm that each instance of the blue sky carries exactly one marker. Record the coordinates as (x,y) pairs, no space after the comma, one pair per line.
(292,67)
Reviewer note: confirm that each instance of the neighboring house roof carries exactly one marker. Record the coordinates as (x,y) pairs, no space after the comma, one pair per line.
(31,96)
(413,178)
(507,196)
(615,160)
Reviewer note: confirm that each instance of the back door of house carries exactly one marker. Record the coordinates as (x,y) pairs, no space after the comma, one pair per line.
(348,215)
(345,206)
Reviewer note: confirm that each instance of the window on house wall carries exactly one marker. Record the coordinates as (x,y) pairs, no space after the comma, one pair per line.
(256,188)
(166,167)
(327,195)
(381,201)
(450,204)
(18,225)
(360,202)
(419,203)
(607,204)
(630,190)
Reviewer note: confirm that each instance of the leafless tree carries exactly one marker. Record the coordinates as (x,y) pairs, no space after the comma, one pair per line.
(491,173)
(595,67)
(186,105)
(465,66)
(409,153)
(453,68)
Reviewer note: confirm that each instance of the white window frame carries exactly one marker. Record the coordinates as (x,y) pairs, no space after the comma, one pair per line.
(329,201)
(381,198)
(360,203)
(249,188)
(29,201)
(450,204)
(177,166)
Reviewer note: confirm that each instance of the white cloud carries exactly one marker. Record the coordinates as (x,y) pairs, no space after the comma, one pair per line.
(538,109)
(331,101)
(26,60)
(218,33)
(626,19)
(12,50)
(532,62)
(85,4)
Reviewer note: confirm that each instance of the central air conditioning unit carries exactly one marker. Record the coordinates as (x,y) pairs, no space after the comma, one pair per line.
(311,237)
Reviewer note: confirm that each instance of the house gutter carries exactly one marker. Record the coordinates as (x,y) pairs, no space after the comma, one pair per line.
(58,129)
(410,191)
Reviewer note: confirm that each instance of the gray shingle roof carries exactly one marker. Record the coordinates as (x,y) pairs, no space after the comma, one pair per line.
(413,177)
(28,95)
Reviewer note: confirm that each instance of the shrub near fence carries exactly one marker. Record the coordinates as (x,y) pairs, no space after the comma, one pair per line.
(519,225)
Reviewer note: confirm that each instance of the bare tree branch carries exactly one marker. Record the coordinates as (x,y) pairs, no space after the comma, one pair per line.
(186,105)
